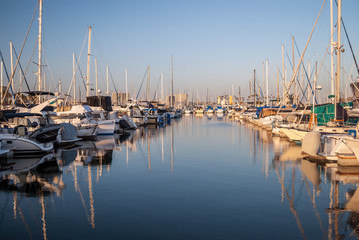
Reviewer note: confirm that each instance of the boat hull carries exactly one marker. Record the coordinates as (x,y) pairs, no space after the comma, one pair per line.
(23,145)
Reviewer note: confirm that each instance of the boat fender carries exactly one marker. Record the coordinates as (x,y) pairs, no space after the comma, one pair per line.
(311,143)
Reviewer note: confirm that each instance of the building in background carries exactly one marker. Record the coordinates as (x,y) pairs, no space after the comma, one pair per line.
(181,99)
(119,98)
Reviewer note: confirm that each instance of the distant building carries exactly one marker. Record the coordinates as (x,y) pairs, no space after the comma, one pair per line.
(168,100)
(178,99)
(114,98)
(181,99)
(227,100)
(119,98)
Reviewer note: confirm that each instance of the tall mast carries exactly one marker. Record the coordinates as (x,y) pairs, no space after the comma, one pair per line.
(331,47)
(172,103)
(314,90)
(207,96)
(40,46)
(197,96)
(294,92)
(337,94)
(162,95)
(107,92)
(96,86)
(338,48)
(309,80)
(88,64)
(283,70)
(264,84)
(126,86)
(148,84)
(267,82)
(278,84)
(73,74)
(250,87)
(254,83)
(12,65)
(60,87)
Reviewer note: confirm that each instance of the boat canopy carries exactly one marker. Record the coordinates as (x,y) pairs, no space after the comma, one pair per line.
(326,112)
(4,116)
(37,93)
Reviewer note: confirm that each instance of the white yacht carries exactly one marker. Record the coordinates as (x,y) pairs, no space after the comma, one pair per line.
(18,140)
(79,116)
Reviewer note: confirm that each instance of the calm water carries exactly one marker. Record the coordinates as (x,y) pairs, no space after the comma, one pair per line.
(197,178)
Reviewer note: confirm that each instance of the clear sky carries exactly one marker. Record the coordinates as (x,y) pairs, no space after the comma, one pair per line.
(215,44)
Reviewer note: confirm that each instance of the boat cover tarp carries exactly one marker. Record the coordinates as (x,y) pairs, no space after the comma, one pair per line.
(69,131)
(326,112)
(4,116)
(37,93)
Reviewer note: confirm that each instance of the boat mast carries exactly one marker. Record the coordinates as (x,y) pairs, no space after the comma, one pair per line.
(96,87)
(283,77)
(254,83)
(148,84)
(126,86)
(337,89)
(40,48)
(172,103)
(162,95)
(88,64)
(309,80)
(197,96)
(107,92)
(293,63)
(12,65)
(60,87)
(264,84)
(278,84)
(267,82)
(331,47)
(314,91)
(74,72)
(250,87)
(207,96)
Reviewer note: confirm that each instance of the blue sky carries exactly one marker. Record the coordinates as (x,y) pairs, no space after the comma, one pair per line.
(215,44)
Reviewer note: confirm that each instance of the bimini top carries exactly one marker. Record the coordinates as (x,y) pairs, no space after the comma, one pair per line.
(38,93)
(7,115)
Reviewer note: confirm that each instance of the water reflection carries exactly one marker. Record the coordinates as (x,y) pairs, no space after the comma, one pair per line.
(150,175)
(330,189)
(31,177)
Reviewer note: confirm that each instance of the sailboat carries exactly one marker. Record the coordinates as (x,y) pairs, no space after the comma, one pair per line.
(314,139)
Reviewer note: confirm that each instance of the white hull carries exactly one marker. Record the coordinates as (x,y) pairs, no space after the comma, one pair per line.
(152,119)
(130,122)
(199,112)
(353,145)
(140,120)
(106,127)
(334,145)
(23,145)
(87,131)
(295,135)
